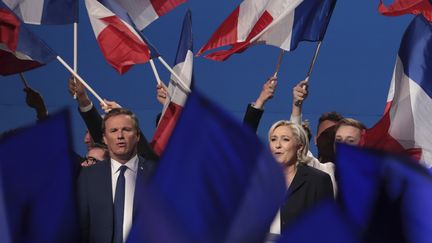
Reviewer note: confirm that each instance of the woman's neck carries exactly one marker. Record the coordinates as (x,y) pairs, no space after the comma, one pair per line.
(290,171)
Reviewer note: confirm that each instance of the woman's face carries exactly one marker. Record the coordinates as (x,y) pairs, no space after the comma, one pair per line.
(348,134)
(284,146)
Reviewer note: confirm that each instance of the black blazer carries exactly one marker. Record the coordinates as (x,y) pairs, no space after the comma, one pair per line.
(95,199)
(308,187)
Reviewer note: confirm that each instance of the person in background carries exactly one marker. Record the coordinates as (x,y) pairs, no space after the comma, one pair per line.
(106,190)
(255,110)
(349,131)
(93,120)
(306,185)
(98,152)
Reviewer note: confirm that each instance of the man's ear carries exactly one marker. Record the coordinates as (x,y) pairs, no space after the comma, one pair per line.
(104,139)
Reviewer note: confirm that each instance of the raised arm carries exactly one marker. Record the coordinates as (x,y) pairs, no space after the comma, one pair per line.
(255,110)
(300,93)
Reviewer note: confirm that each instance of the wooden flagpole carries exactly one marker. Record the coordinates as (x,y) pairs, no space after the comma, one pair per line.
(80,79)
(178,80)
(23,80)
(278,63)
(311,66)
(155,72)
(75,51)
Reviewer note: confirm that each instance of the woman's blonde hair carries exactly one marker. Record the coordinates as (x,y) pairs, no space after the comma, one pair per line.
(299,135)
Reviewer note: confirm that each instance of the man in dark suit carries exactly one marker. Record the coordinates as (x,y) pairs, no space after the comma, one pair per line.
(106,190)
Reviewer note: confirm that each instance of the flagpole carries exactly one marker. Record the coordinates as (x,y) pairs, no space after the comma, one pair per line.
(155,72)
(80,79)
(179,80)
(278,63)
(311,66)
(75,52)
(23,80)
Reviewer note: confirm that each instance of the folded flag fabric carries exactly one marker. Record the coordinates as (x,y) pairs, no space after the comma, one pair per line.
(386,197)
(223,186)
(20,49)
(54,12)
(119,41)
(144,12)
(406,126)
(400,7)
(38,182)
(281,23)
(183,66)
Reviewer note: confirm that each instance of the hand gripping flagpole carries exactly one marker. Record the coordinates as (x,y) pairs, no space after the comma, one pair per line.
(311,66)
(80,79)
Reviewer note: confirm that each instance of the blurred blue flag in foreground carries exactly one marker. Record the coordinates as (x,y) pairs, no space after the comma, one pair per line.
(38,182)
(216,182)
(385,197)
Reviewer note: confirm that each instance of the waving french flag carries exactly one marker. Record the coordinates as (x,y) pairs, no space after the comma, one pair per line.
(55,12)
(144,12)
(281,23)
(406,124)
(183,66)
(120,43)
(400,7)
(20,49)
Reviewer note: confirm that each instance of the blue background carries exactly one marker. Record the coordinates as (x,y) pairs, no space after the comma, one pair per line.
(351,76)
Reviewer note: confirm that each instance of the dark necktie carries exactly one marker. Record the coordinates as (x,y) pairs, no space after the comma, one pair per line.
(119,199)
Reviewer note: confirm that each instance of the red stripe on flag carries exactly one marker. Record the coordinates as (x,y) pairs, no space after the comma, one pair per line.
(9,29)
(165,127)
(400,7)
(162,7)
(378,137)
(226,34)
(120,46)
(10,64)
(239,47)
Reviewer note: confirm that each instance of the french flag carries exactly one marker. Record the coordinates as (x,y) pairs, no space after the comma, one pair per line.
(20,50)
(281,23)
(400,7)
(144,12)
(54,12)
(406,125)
(183,66)
(120,43)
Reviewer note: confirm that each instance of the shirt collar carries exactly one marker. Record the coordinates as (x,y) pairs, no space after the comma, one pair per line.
(132,164)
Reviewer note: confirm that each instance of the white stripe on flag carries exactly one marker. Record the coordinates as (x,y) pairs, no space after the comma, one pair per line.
(31,9)
(141,12)
(410,115)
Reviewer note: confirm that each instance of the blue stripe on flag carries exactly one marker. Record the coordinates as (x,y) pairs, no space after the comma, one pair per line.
(186,41)
(33,46)
(60,12)
(416,53)
(311,19)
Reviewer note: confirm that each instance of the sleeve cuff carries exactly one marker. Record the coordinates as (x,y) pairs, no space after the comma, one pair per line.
(86,108)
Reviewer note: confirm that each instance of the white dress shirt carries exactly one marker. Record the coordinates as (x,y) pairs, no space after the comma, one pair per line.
(130,179)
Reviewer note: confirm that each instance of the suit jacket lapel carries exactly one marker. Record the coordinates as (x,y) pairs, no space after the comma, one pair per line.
(298,181)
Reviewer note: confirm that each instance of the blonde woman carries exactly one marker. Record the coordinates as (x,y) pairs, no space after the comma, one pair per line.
(306,185)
